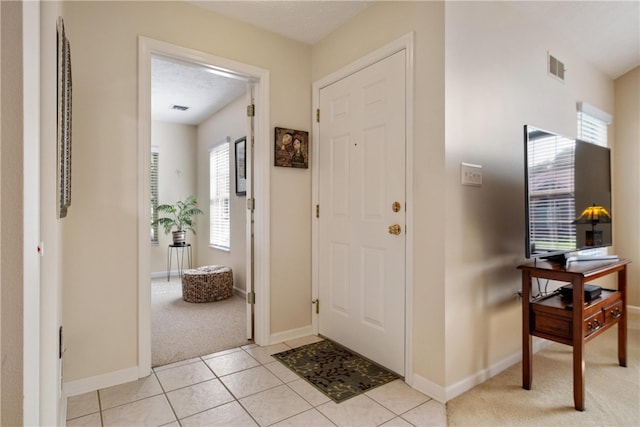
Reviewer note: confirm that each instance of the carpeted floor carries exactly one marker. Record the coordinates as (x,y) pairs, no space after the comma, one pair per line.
(612,392)
(335,370)
(181,330)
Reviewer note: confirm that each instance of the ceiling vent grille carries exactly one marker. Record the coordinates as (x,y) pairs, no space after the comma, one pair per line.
(178,107)
(555,67)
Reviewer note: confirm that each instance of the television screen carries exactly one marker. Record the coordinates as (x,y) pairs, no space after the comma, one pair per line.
(567,194)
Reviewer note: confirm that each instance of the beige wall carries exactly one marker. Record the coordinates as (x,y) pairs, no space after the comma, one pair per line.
(177,179)
(392,20)
(496,82)
(11,214)
(230,122)
(100,272)
(626,177)
(492,83)
(487,63)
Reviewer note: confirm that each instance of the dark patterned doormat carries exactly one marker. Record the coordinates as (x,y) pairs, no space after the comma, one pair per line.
(335,370)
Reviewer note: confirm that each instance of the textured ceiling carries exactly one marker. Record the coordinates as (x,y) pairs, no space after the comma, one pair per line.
(189,85)
(306,21)
(175,83)
(605,33)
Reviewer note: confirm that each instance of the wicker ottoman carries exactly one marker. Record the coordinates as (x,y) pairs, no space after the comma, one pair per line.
(206,284)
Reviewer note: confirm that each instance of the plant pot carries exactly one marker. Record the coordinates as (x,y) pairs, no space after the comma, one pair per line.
(179,237)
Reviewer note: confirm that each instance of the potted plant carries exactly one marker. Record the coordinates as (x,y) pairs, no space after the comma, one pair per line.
(179,218)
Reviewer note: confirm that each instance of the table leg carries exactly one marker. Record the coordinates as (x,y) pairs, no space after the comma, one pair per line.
(179,259)
(527,367)
(578,344)
(169,263)
(622,323)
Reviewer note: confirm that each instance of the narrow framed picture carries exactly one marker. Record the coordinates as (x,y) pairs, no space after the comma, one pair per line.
(241,166)
(291,148)
(63,184)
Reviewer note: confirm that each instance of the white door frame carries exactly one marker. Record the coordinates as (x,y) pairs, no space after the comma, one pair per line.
(405,42)
(260,191)
(43,403)
(31,266)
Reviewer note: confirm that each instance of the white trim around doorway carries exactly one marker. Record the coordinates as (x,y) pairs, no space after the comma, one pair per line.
(406,43)
(261,190)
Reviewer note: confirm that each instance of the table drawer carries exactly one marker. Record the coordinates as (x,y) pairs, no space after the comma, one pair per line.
(557,326)
(613,312)
(552,318)
(593,323)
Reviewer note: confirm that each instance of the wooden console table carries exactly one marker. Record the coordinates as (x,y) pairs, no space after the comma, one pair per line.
(572,322)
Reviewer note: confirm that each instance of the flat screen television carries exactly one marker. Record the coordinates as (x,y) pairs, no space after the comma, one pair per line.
(567,195)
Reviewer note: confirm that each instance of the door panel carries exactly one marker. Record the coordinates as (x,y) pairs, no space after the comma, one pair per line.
(361,175)
(340,278)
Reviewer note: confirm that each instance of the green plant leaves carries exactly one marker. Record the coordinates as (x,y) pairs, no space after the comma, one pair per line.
(179,215)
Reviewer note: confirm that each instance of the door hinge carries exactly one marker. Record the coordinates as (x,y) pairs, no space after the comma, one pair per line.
(251,204)
(251,298)
(317,211)
(251,110)
(318,115)
(317,303)
(60,345)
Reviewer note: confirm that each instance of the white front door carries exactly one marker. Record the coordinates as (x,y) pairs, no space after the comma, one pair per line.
(362,212)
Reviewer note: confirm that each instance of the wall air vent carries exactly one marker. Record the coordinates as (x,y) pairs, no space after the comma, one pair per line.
(555,67)
(178,107)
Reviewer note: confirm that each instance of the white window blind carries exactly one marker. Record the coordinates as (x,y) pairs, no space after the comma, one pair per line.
(593,124)
(552,193)
(591,129)
(155,158)
(219,217)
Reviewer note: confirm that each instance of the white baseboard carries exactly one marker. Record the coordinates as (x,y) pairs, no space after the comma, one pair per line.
(291,334)
(474,380)
(426,387)
(436,392)
(174,273)
(163,274)
(443,395)
(98,382)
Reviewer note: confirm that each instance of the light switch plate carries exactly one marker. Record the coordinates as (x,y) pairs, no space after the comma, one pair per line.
(470,174)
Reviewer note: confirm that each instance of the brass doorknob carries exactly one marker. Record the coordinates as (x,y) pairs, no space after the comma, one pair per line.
(394,229)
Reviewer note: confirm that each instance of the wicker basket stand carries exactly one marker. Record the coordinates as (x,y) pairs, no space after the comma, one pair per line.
(207,284)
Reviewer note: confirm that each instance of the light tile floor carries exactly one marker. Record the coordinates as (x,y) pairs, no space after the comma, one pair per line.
(246,387)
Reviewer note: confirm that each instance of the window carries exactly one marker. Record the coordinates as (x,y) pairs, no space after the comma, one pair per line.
(219,216)
(593,124)
(155,155)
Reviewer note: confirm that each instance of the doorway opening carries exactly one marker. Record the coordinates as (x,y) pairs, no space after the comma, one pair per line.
(256,82)
(197,113)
